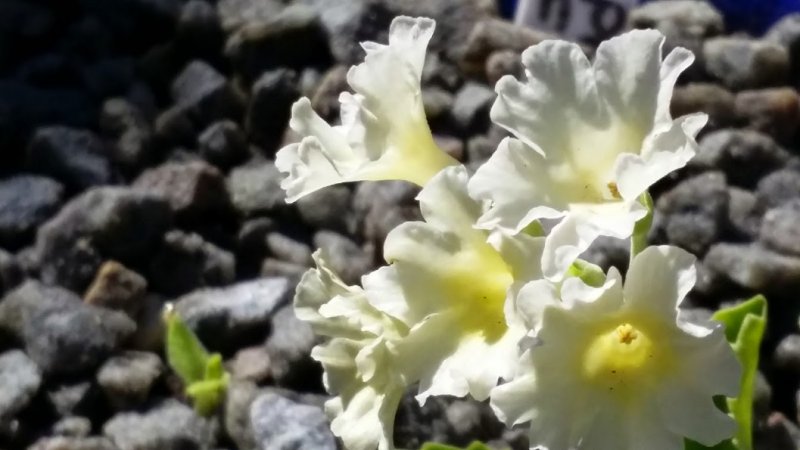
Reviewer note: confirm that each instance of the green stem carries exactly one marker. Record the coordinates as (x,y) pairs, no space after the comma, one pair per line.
(642,227)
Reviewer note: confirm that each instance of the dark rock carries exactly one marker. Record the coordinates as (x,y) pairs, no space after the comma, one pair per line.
(786,32)
(380,207)
(270,107)
(742,63)
(187,262)
(744,213)
(11,273)
(754,267)
(255,188)
(108,77)
(778,433)
(778,187)
(223,144)
(417,424)
(20,379)
(712,99)
(772,111)
(60,333)
(226,317)
(293,38)
(251,245)
(194,190)
(170,425)
(345,257)
(471,108)
(695,211)
(437,103)
(787,354)
(174,128)
(26,201)
(150,327)
(451,145)
(328,208)
(282,424)
(117,223)
(745,156)
(199,31)
(492,35)
(126,123)
(501,63)
(685,23)
(77,158)
(779,228)
(607,252)
(205,94)
(289,349)
(117,287)
(439,71)
(128,378)
(325,99)
(251,364)
(470,420)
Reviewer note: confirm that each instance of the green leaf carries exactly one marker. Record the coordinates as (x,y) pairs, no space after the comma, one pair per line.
(724,445)
(207,395)
(214,369)
(744,328)
(475,445)
(642,227)
(185,354)
(589,273)
(534,229)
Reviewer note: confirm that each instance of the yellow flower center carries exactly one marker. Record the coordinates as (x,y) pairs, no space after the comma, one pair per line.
(625,359)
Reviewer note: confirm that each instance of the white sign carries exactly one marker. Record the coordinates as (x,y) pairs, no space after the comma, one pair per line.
(589,21)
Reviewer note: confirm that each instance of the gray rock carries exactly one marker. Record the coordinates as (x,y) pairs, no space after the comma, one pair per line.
(174,128)
(417,424)
(224,317)
(742,63)
(325,97)
(223,144)
(287,249)
(169,426)
(255,188)
(490,36)
(236,13)
(289,348)
(754,267)
(205,95)
(685,23)
(381,206)
(712,99)
(744,213)
(345,257)
(20,379)
(128,378)
(236,418)
(774,111)
(199,31)
(125,122)
(292,38)
(762,398)
(695,211)
(777,433)
(251,364)
(73,443)
(329,208)
(77,158)
(74,426)
(59,332)
(471,108)
(194,190)
(501,63)
(437,103)
(787,354)
(779,228)
(282,424)
(186,262)
(786,32)
(778,187)
(71,399)
(272,267)
(26,201)
(745,156)
(117,287)
(270,107)
(607,252)
(110,223)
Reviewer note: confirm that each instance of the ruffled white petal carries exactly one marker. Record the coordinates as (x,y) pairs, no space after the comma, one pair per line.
(658,279)
(693,414)
(384,133)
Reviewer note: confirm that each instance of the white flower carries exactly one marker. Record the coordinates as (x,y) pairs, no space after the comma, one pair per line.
(616,369)
(384,133)
(357,359)
(454,292)
(589,140)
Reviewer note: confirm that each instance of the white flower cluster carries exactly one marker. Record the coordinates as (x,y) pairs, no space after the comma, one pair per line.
(472,301)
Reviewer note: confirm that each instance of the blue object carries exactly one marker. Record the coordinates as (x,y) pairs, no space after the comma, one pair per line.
(507,8)
(754,16)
